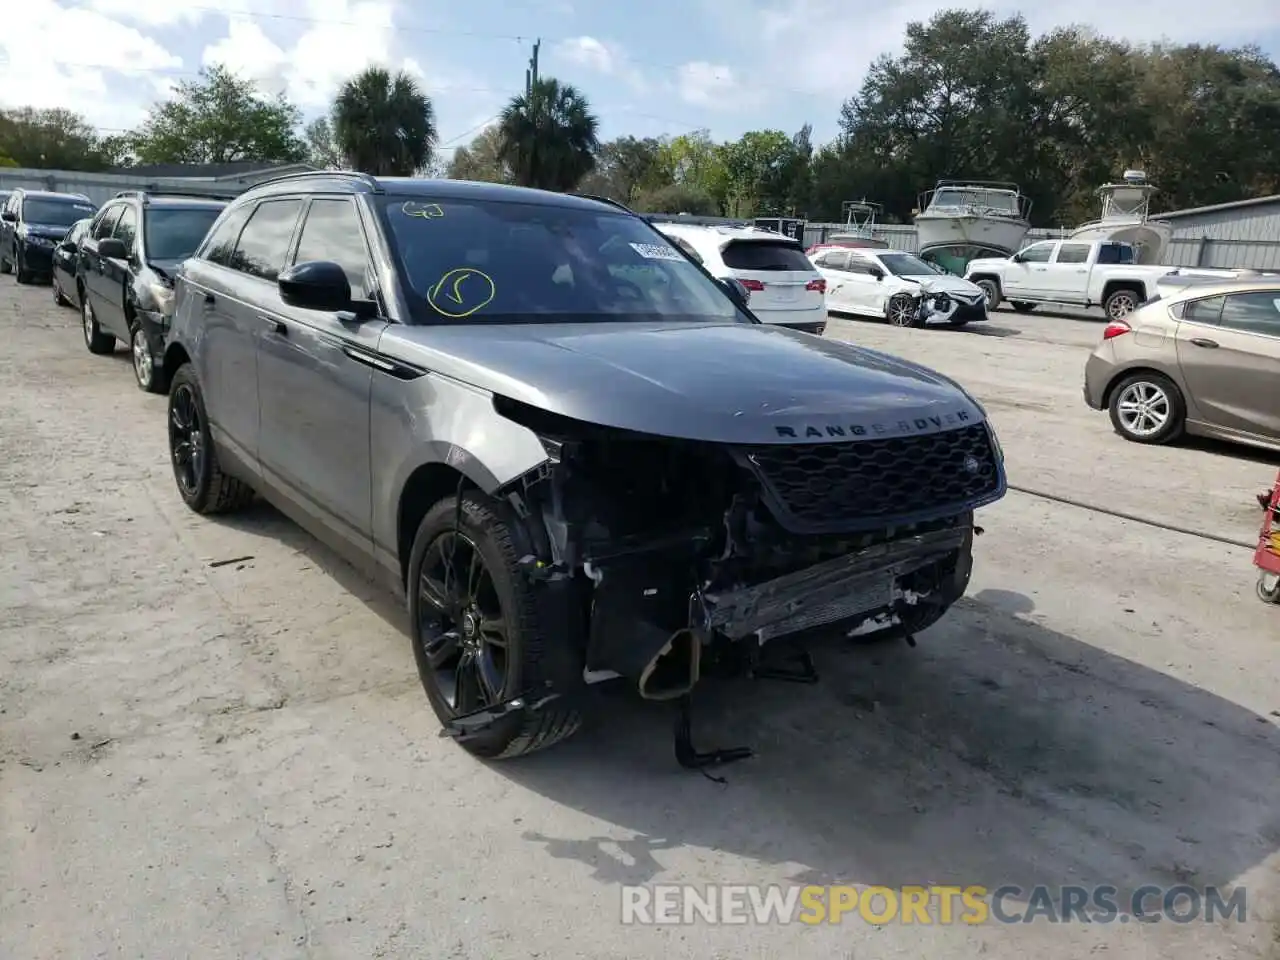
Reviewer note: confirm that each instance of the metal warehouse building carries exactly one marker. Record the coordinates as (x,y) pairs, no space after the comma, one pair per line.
(1245,233)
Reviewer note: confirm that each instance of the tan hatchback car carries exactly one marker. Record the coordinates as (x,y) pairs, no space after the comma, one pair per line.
(1202,358)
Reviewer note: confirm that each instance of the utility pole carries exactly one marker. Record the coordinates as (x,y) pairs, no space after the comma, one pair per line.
(531,72)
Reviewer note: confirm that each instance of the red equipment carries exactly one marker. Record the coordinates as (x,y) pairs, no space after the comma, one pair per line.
(1267,556)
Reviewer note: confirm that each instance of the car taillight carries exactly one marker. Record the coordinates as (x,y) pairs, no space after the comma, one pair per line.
(753,285)
(820,285)
(1115,329)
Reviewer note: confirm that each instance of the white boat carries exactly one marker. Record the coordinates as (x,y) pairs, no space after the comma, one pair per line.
(959,220)
(1126,216)
(859,226)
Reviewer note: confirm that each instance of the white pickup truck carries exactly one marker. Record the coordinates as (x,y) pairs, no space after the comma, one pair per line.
(1102,273)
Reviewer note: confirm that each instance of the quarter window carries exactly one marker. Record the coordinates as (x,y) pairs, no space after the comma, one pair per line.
(264,242)
(332,232)
(1253,313)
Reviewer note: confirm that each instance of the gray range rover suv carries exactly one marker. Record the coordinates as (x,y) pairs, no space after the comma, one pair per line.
(578,455)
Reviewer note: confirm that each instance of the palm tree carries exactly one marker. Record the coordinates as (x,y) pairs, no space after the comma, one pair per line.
(384,124)
(548,136)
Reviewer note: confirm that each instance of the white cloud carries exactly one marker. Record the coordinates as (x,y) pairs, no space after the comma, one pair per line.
(706,84)
(599,56)
(31,46)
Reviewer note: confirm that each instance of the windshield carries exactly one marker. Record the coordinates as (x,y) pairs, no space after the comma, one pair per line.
(484,261)
(905,265)
(54,213)
(986,199)
(173,233)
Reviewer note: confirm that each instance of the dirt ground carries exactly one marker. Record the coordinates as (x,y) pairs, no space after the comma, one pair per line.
(213,742)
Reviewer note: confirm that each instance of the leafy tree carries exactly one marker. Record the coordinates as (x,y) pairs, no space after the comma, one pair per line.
(7,161)
(384,124)
(480,160)
(548,137)
(760,168)
(677,198)
(628,167)
(51,140)
(695,160)
(219,118)
(322,152)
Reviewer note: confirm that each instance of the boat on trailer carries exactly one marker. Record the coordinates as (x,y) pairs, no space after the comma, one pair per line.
(961,220)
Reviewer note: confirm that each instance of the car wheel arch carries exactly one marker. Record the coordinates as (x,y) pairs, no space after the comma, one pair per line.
(1121,375)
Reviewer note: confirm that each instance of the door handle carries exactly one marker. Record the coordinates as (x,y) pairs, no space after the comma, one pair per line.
(276,326)
(1203,342)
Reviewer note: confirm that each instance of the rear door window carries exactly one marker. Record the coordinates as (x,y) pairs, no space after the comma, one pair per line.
(1072,253)
(1252,313)
(765,255)
(1207,310)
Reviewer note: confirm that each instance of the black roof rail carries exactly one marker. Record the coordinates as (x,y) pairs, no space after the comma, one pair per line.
(364,178)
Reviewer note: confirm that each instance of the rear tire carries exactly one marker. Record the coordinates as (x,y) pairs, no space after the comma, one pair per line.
(1120,303)
(1147,408)
(527,667)
(202,484)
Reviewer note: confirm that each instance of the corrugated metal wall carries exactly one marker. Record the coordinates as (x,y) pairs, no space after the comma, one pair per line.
(101,187)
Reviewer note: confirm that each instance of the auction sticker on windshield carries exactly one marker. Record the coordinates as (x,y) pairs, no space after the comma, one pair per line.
(657,251)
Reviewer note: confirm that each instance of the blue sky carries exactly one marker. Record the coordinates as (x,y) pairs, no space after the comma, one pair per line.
(650,67)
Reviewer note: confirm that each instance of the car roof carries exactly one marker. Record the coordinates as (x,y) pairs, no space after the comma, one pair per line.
(345,181)
(1192,286)
(724,233)
(50,195)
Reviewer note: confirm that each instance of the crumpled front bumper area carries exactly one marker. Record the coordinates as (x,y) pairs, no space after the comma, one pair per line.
(867,582)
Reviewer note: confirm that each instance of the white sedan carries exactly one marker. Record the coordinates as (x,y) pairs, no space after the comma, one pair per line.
(886,284)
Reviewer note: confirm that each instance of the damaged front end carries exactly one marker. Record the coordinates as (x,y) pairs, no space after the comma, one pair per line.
(674,557)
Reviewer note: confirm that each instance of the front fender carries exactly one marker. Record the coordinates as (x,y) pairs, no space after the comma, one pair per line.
(432,419)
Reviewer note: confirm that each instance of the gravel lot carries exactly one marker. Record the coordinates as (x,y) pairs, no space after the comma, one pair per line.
(218,760)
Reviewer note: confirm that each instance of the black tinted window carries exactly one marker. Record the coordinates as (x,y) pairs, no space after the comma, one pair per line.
(126,228)
(264,241)
(221,244)
(174,233)
(1253,313)
(764,255)
(55,213)
(484,260)
(1115,253)
(332,232)
(1073,253)
(1203,311)
(106,221)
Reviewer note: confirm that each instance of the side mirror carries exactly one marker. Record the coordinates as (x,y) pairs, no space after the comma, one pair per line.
(877,273)
(316,285)
(113,248)
(1016,258)
(9,216)
(736,289)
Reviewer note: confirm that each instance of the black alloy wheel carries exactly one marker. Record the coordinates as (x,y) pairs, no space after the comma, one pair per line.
(186,440)
(463,630)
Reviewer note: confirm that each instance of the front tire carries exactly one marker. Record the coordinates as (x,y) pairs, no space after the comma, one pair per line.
(1147,408)
(1268,587)
(97,341)
(991,290)
(59,297)
(148,374)
(477,633)
(903,311)
(202,484)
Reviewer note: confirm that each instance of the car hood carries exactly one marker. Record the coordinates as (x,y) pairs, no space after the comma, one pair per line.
(988,263)
(729,383)
(50,231)
(938,283)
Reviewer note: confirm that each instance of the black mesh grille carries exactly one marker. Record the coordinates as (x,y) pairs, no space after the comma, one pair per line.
(832,484)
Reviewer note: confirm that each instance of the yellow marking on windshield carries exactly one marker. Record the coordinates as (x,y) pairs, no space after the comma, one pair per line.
(464,290)
(423,211)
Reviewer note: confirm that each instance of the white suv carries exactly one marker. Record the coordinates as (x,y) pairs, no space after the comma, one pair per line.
(785,287)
